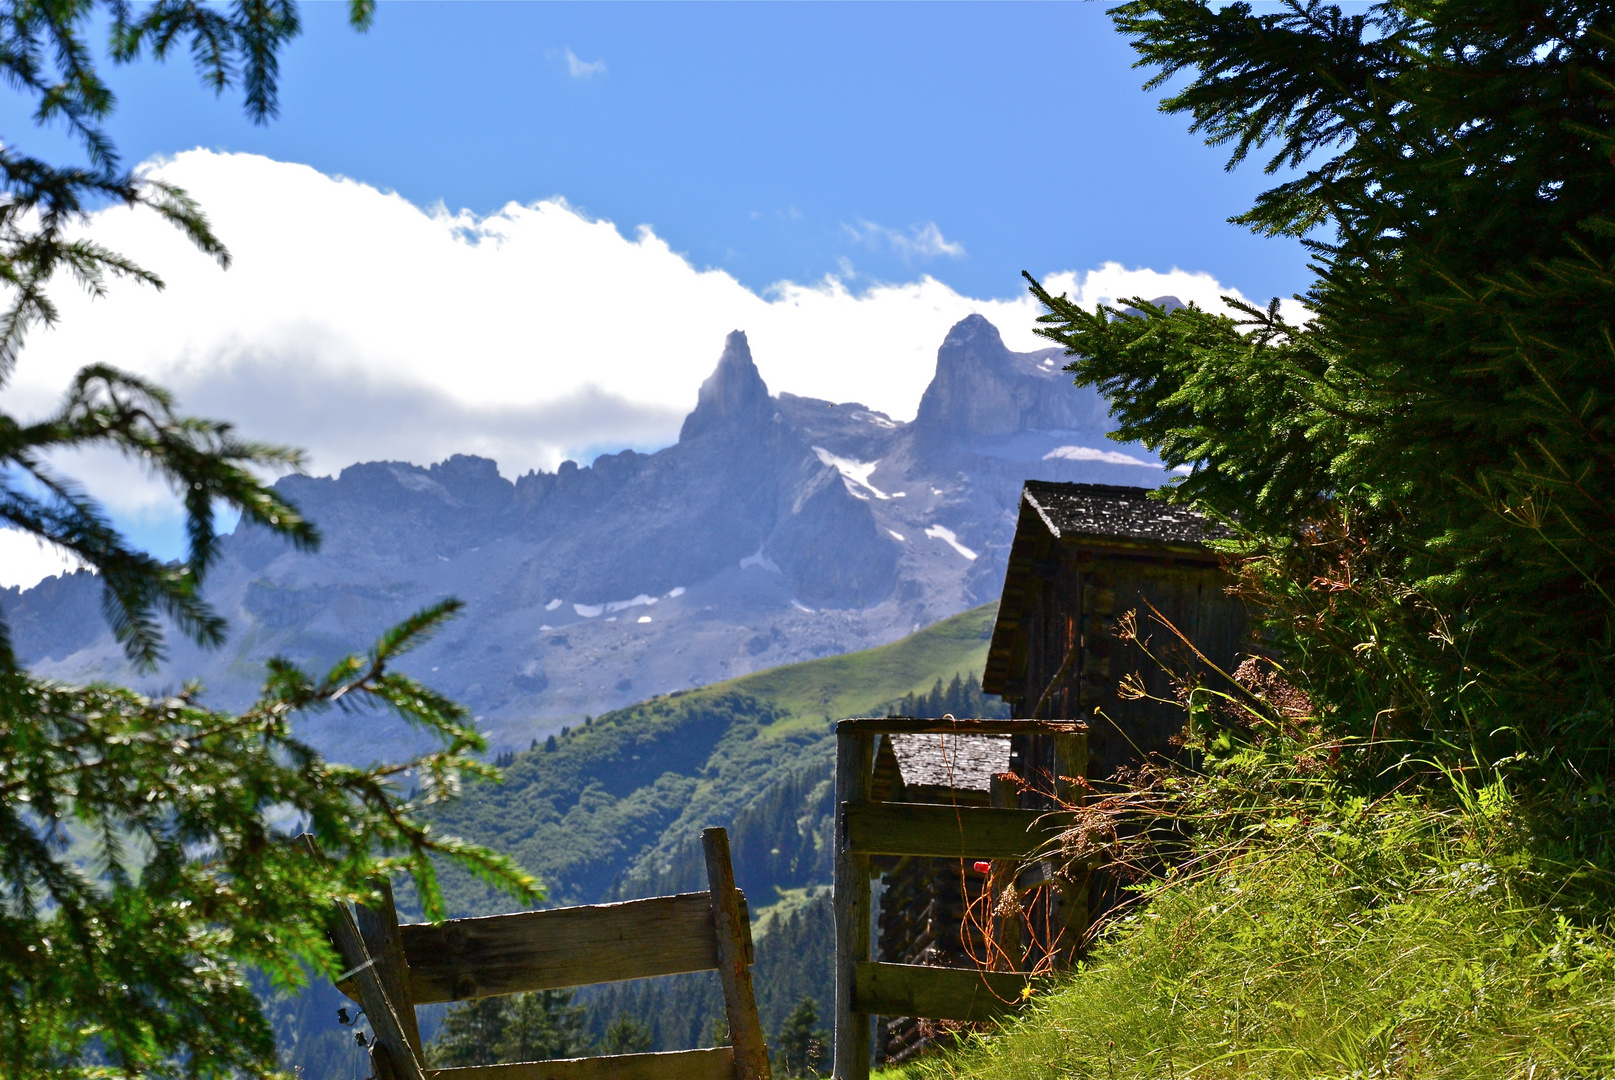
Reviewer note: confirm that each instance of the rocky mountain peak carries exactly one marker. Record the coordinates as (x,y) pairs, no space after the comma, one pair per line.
(981,388)
(776,530)
(734,395)
(970,337)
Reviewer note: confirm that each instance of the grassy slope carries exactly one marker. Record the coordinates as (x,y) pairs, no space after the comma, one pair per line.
(1386,941)
(856,683)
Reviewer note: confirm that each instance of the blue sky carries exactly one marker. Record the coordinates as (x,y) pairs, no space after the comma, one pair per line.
(755,137)
(522,230)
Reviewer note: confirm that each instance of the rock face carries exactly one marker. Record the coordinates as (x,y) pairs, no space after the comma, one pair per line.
(733,397)
(981,388)
(778,528)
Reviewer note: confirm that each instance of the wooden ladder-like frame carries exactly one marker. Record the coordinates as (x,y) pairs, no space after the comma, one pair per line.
(390,969)
(865,827)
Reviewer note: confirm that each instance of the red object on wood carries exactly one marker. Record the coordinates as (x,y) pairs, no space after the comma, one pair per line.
(982,866)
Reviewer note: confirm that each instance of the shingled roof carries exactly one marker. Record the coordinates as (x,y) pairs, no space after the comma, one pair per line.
(1095,511)
(940,765)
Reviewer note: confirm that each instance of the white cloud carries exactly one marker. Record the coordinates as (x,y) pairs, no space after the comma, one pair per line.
(25,561)
(920,242)
(362,327)
(583,69)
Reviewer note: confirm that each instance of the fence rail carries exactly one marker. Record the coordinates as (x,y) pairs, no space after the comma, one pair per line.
(713,1064)
(949,832)
(547,950)
(394,968)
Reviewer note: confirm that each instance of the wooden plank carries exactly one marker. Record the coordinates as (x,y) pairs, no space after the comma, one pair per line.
(855,766)
(731,929)
(546,950)
(379,929)
(933,993)
(1070,767)
(391,1055)
(717,1063)
(911,725)
(949,832)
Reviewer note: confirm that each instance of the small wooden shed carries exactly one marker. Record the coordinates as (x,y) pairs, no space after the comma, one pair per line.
(1084,555)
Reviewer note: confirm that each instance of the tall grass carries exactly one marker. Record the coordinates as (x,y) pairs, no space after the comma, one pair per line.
(1357,938)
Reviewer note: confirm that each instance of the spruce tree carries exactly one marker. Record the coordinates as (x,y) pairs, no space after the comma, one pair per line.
(1419,474)
(626,1036)
(801,1048)
(534,1026)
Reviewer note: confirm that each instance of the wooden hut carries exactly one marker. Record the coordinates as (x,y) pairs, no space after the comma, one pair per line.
(1083,557)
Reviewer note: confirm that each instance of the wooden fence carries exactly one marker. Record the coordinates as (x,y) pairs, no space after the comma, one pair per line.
(1009,836)
(393,968)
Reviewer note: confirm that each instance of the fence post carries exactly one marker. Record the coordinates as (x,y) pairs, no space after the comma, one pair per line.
(855,762)
(745,1030)
(1070,769)
(1004,917)
(392,1055)
(379,930)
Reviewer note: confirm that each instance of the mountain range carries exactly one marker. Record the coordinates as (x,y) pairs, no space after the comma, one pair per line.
(777,529)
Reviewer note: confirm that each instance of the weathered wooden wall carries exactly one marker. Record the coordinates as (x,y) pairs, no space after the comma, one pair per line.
(1075,659)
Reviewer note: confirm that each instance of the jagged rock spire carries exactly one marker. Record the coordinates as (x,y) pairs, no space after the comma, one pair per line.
(734,395)
(970,393)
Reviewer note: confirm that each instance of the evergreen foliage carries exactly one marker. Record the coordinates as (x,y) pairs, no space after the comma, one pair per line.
(147,861)
(1391,855)
(518,1027)
(801,1049)
(1419,475)
(625,1036)
(960,698)
(616,798)
(45,55)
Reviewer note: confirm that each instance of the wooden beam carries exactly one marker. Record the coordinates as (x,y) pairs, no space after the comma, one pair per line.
(717,1063)
(1070,768)
(379,929)
(391,1055)
(934,993)
(855,765)
(1007,953)
(910,725)
(730,929)
(546,950)
(949,832)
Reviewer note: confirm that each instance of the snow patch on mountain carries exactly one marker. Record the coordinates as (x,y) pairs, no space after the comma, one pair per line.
(855,474)
(950,538)
(1089,453)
